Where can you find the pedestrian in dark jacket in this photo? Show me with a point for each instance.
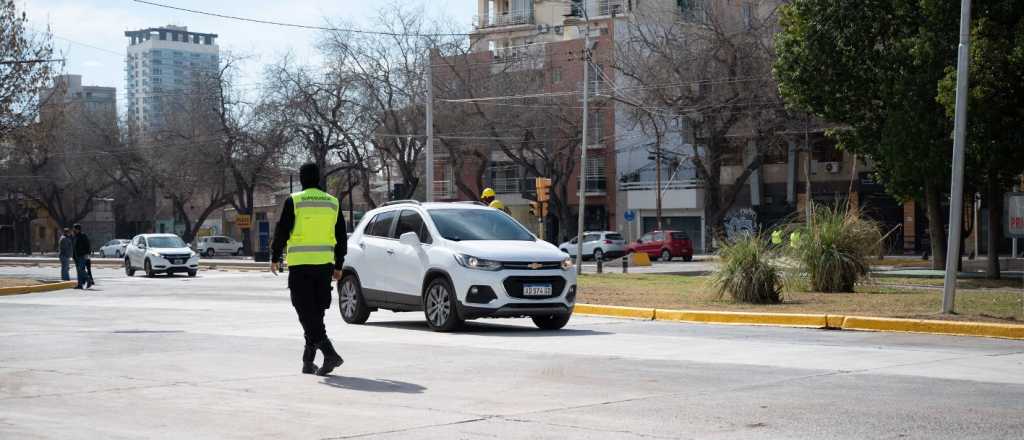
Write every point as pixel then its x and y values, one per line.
pixel 313 232
pixel 66 248
pixel 83 265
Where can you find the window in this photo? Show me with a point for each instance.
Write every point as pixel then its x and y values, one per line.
pixel 157 71
pixel 747 13
pixel 157 62
pixel 826 151
pixel 596 78
pixel 410 221
pixel 646 238
pixel 680 236
pixel 595 127
pixel 595 174
pixel 591 237
pixel 504 177
pixel 613 237
pixel 659 236
pixel 380 226
pixel 478 224
pixel 166 242
pixel 556 75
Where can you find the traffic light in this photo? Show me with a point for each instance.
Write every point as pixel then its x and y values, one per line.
pixel 536 209
pixel 543 185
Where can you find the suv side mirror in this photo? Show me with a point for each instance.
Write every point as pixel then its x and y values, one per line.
pixel 409 238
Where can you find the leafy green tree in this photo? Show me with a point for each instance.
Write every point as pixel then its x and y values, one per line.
pixel 873 67
pixel 995 125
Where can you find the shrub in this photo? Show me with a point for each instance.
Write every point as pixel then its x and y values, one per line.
pixel 748 272
pixel 835 249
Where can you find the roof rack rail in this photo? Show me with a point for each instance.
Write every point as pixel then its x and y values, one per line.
pixel 401 202
pixel 471 202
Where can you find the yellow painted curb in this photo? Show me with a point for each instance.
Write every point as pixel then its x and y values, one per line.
pixel 986 329
pixel 745 318
pixel 49 287
pixel 616 311
pixel 835 321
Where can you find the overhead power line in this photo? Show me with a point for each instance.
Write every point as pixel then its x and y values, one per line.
pixel 56 60
pixel 300 26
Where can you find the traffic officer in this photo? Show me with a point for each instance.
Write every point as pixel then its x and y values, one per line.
pixel 488 197
pixel 314 235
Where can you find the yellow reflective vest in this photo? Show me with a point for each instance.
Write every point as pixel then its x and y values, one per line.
pixel 312 240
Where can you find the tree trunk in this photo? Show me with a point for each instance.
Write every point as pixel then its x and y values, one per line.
pixel 936 225
pixel 995 226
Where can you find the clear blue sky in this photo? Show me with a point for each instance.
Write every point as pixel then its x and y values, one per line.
pixel 101 23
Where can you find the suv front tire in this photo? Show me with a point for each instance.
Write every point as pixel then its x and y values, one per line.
pixel 551 322
pixel 440 306
pixel 350 301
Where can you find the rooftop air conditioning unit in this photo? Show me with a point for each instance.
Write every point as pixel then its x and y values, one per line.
pixel 831 167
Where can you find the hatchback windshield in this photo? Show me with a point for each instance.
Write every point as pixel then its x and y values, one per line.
pixel 166 242
pixel 478 224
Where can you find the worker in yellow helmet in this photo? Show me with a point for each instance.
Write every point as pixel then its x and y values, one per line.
pixel 488 197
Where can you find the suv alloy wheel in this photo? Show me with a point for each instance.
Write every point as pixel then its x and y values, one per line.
pixel 439 306
pixel 350 301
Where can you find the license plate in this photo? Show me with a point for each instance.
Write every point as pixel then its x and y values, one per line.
pixel 537 290
pixel 178 262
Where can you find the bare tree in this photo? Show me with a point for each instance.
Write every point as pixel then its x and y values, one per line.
pixel 25 67
pixel 52 162
pixel 709 64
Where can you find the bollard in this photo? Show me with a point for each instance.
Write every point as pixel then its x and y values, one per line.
pixel 600 265
pixel 625 264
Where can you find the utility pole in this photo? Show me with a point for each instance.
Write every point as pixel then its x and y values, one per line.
pixel 956 192
pixel 583 148
pixel 657 174
pixel 430 128
pixel 807 147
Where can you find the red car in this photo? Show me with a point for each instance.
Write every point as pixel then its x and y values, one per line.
pixel 664 245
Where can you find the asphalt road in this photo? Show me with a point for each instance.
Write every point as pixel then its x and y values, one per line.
pixel 218 357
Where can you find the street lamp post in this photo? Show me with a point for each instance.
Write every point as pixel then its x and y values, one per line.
pixel 583 148
pixel 956 192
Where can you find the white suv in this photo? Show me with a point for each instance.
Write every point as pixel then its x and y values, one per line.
pixel 155 253
pixel 454 261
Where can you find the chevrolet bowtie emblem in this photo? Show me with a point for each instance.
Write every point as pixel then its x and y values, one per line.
pixel 535 266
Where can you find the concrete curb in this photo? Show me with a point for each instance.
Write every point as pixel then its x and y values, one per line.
pixel 616 311
pixel 821 321
pixel 960 328
pixel 48 287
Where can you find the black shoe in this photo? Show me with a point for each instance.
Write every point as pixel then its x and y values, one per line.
pixel 309 368
pixel 308 356
pixel 331 358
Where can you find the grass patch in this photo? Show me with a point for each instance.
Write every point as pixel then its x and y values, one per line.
pixel 17 282
pixel 869 299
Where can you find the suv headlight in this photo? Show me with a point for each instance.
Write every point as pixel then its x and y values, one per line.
pixel 567 264
pixel 477 263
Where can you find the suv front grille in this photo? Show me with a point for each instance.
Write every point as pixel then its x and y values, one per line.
pixel 525 265
pixel 514 286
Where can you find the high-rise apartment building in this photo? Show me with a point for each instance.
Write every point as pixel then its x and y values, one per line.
pixel 164 63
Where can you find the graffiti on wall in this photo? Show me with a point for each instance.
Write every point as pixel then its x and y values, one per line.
pixel 740 222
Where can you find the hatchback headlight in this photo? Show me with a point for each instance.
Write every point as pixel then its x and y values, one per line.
pixel 567 264
pixel 472 262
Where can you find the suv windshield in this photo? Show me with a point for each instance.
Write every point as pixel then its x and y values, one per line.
pixel 166 242
pixel 478 224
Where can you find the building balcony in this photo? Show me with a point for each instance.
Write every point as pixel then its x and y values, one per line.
pixel 678 194
pixel 598 8
pixel 510 18
pixel 444 189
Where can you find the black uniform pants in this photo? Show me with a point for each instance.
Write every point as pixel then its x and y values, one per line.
pixel 310 288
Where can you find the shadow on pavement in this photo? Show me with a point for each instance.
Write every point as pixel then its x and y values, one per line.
pixel 373 385
pixel 480 328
